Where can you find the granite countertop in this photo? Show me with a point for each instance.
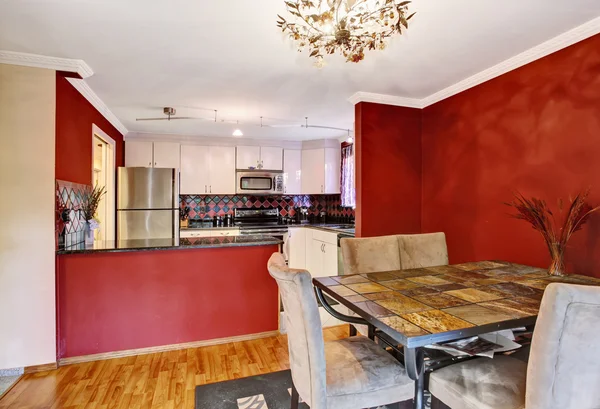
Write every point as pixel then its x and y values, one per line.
pixel 172 244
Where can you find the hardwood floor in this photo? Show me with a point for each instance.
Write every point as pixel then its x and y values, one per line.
pixel 161 380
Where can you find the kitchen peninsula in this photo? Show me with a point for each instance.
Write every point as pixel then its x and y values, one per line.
pixel 152 295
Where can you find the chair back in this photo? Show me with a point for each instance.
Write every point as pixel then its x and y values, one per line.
pixel 564 364
pixel 422 250
pixel 305 335
pixel 371 254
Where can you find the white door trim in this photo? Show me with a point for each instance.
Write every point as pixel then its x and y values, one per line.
pixel 111 201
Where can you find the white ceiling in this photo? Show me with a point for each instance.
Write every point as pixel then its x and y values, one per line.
pixel 230 56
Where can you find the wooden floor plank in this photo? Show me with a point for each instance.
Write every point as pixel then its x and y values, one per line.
pixel 162 380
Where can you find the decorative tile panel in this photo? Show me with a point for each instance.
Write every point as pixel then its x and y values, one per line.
pixel 69 220
pixel 203 207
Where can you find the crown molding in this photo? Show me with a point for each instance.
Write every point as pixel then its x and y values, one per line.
pixel 385 99
pixel 43 61
pixel 85 90
pixel 553 45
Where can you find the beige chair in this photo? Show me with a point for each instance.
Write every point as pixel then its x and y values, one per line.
pixel 564 365
pixel 351 373
pixel 388 253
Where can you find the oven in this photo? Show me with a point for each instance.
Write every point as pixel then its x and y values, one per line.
pixel 262 221
pixel 259 182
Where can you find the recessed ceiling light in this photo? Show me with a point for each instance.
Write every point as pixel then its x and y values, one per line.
pixel 238 132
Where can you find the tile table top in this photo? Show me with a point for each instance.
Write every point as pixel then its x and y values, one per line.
pixel 420 306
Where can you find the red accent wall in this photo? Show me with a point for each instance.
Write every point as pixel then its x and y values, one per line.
pixel 117 301
pixel 388 169
pixel 535 129
pixel 74 119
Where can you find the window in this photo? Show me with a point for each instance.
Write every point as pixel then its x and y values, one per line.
pixel 347 186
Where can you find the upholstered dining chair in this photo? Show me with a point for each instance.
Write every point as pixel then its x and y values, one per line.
pixel 564 365
pixel 422 250
pixel 350 373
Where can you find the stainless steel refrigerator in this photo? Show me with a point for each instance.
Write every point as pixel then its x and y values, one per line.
pixel 147 203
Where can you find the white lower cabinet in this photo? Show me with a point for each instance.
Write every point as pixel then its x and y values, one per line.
pixel 317 252
pixel 193 233
pixel 296 247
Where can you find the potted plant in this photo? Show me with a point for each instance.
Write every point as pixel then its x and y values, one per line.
pixel 89 206
pixel 538 214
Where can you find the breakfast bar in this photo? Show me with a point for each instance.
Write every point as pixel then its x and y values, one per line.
pixel 138 296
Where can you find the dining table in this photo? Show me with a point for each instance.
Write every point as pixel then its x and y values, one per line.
pixel 418 307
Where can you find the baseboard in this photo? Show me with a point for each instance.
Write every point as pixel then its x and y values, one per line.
pixel 40 368
pixel 163 348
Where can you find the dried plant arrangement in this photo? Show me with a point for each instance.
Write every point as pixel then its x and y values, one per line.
pixel 555 231
pixel 91 200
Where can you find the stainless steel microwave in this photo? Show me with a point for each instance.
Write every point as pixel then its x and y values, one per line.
pixel 259 182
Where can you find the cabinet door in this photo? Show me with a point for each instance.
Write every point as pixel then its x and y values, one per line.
pixel 166 155
pixel 313 171
pixel 292 172
pixel 314 258
pixel 330 260
pixel 138 154
pixel 247 157
pixel 333 165
pixel 222 170
pixel 271 158
pixel 195 170
pixel 296 247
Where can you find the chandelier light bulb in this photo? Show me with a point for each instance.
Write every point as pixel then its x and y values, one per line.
pixel 238 132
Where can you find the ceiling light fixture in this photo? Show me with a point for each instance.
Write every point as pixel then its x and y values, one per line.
pixel 238 132
pixel 347 26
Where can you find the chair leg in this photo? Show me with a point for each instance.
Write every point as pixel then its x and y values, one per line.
pixel 295 397
pixel 353 331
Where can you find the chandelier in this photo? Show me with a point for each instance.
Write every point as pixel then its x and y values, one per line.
pixel 348 27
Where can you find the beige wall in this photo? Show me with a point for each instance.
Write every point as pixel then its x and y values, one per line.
pixel 27 261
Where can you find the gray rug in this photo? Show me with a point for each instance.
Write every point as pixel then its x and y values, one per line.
pixel 270 391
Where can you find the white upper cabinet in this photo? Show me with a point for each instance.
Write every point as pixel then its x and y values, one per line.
pixel 258 157
pixel 207 170
pixel 166 155
pixel 247 157
pixel 292 171
pixel 321 171
pixel 271 158
pixel 195 169
pixel 138 154
pixel 333 168
pixel 222 170
pixel 152 154
pixel 313 171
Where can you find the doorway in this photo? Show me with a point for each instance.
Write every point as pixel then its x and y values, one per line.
pixel 103 175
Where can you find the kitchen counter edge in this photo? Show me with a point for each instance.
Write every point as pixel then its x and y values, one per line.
pixel 195 243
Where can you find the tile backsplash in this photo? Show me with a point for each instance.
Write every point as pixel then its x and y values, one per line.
pixel 69 197
pixel 205 207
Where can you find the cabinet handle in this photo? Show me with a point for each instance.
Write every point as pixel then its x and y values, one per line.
pixel 154 163
pixel 322 189
pixel 205 189
pixel 210 189
pixel 149 163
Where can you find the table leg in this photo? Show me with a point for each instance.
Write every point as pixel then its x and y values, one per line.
pixel 415 367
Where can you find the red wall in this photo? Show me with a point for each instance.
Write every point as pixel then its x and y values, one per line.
pixel 388 169
pixel 535 130
pixel 117 301
pixel 74 119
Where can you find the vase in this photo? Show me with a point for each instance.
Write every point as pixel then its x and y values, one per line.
pixel 557 265
pixel 89 235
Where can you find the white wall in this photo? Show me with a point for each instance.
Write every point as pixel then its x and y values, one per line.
pixel 27 260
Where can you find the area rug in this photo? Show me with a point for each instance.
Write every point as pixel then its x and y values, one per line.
pixel 270 391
